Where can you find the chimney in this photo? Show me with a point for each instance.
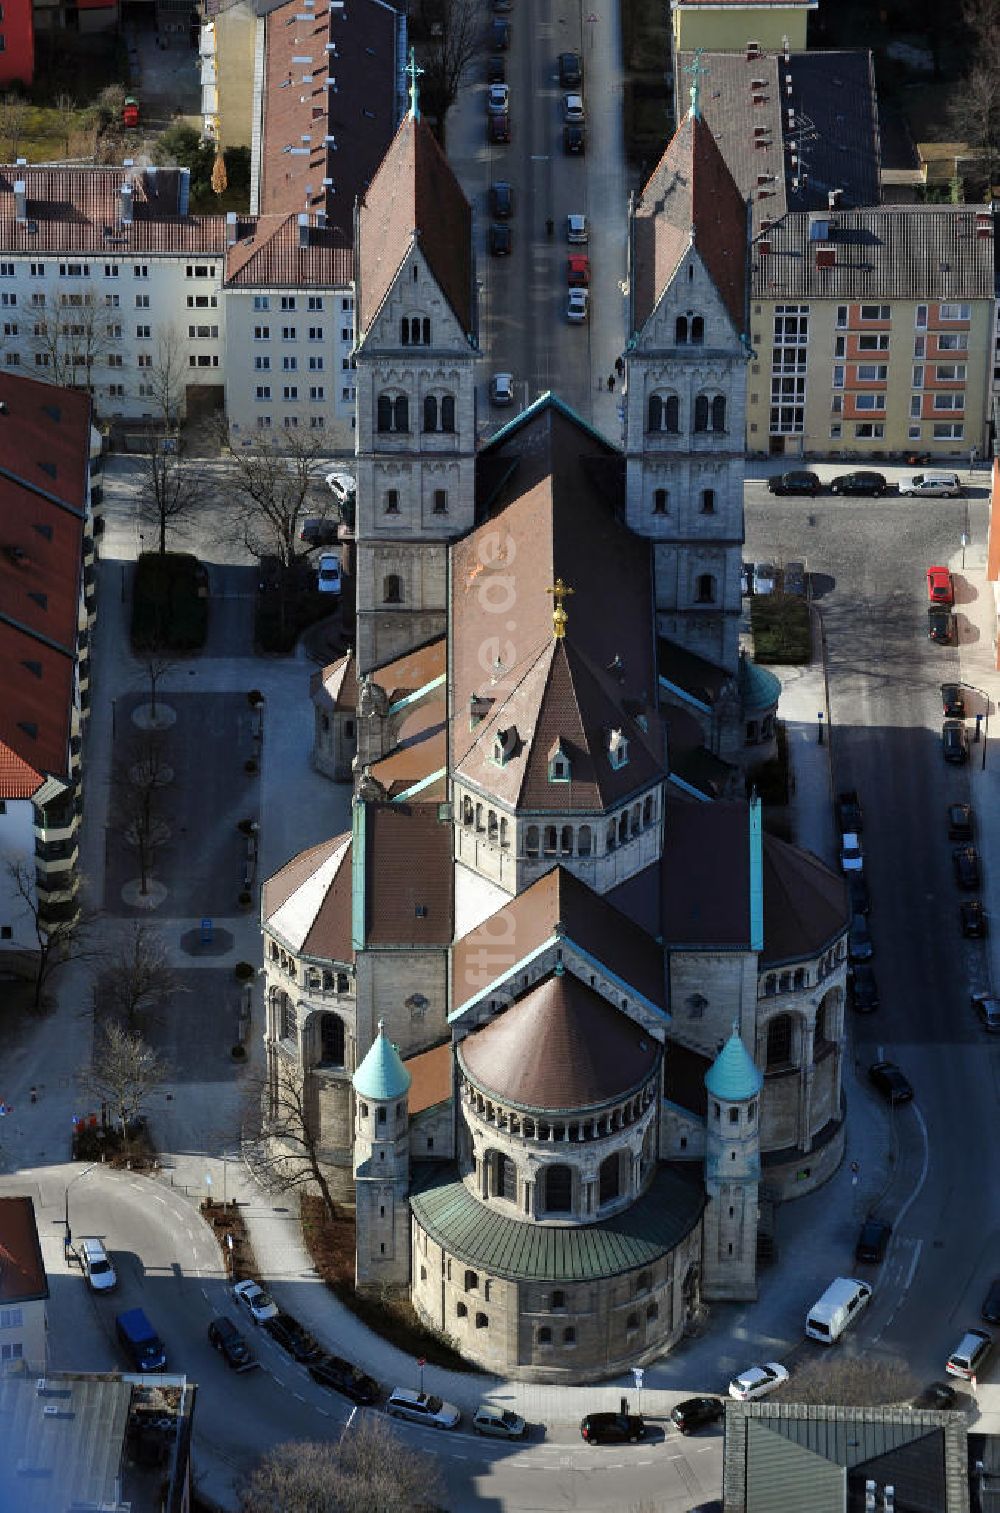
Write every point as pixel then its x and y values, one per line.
pixel 303 229
pixel 20 200
pixel 20 162
pixel 129 163
pixel 763 247
pixel 984 225
pixel 230 228
pixel 826 257
pixel 127 207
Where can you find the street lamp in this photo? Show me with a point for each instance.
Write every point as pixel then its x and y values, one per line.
pixel 986 731
pixel 68 1238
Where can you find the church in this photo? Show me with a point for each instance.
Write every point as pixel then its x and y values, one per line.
pixel 567 1021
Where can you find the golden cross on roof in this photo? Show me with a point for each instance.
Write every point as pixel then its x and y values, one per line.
pixel 698 71
pixel 414 72
pixel 559 592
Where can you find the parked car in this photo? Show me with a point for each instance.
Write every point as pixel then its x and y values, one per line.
pixel 422 1408
pixel 502 389
pixel 501 200
pixel 496 69
pixel 849 813
pixel 328 577
pixel 578 271
pixel 893 1084
pixel 940 588
pixel 226 1338
pixel 965 860
pixel 576 305
pixel 577 230
pixel 758 1381
pixel 938 1396
pixel 498 99
pixel 570 71
pixel 860 946
pixel 941 625
pixel 970 1354
pixel 872 1240
pixel 498 129
pixel 858 895
pixel 873 484
pixel 500 34
pixel 501 239
pixel 954 741
pixel 972 918
pixel 96 1265
pixel 764 578
pixel 331 1371
pixel 573 141
pixel 293 1337
pixel 988 1009
pixel 499 1423
pixel 931 484
pixel 798 482
pixel 990 1310
pixel 863 988
pixel 612 1428
pixel 953 700
pixel 140 1340
pixel 960 822
pixel 258 1303
pixel 851 855
pixel 317 532
pixel 794 580
pixel 573 111
pixel 696 1412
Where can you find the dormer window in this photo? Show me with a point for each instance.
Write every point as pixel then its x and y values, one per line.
pixel 504 745
pixel 479 708
pixel 618 749
pixel 559 769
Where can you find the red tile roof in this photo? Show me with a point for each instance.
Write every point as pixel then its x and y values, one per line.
pixel 421 746
pixel 336 683
pixel 269 254
pixel 415 196
pixel 22 1270
pixel 412 671
pixel 690 198
pixel 431 1078
pixel 805 904
pixel 705 875
pixel 321 916
pixel 408 876
pixel 18 779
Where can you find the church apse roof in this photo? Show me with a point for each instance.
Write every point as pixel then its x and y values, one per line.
pixel 308 902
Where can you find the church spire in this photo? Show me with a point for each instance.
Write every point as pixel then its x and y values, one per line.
pixel 697 70
pixel 414 72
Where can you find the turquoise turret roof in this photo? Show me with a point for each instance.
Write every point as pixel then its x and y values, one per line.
pixel 733 1074
pixel 759 689
pixel 382 1074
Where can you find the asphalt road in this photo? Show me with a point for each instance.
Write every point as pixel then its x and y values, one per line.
pixel 868 559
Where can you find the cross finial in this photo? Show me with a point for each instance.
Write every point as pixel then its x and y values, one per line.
pixel 559 592
pixel 414 72
pixel 698 71
pixel 736 1027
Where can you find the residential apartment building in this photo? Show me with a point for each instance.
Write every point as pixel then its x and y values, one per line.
pixel 739 25
pixel 17 42
pixel 873 332
pixel 47 610
pixel 24 1288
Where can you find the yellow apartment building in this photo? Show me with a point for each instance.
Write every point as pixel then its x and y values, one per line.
pixel 732 25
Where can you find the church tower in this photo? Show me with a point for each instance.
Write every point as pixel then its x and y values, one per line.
pixel 686 363
pixel 382 1166
pixel 416 350
pixel 732 1174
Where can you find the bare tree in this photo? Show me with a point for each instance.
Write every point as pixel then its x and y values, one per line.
pixel 853 1381
pixel 166 377
pixel 286 1151
pixel 71 334
pixel 368 1470
pixel 65 108
pixel 56 942
pixel 272 479
pixel 975 112
pixel 124 1072
pixel 13 113
pixel 156 664
pixel 449 53
pixel 140 780
pixel 170 494
pixel 137 975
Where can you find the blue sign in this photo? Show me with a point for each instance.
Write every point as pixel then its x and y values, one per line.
pixel 206 932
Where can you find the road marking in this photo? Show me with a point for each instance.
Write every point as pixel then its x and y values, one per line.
pixel 913 1266
pixel 540 157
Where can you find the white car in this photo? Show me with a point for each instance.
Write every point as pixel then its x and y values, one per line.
pixel 258 1303
pixel 328 577
pixel 576 305
pixel 498 99
pixel 851 856
pixel 573 112
pixel 758 1381
pixel 576 229
pixel 422 1408
pixel 764 577
pixel 502 389
pixel 933 485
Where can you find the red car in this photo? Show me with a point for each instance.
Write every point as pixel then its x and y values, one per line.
pixel 578 272
pixel 940 589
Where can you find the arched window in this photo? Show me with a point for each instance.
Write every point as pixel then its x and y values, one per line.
pixel 384 412
pixel 331 1040
pixel 492 827
pixel 634 819
pixel 672 414
pixel 719 413
pixel 623 828
pixel 609 1179
pixel 471 1281
pixel 531 841
pixel 652 1313
pixel 632 1322
pixel 551 840
pixel 647 809
pixel 661 499
pixel 329 981
pixel 558 1189
pixel 779 1042
pixel 401 413
pixel 770 985
pixel 583 841
pixel 430 412
pixel 461 1310
pixel 479 818
pixel 558 1300
pixel 612 835
pixel 545 1335
pixel 701 413
pixel 448 412
pixel 425 331
pixel 569 1335
pixel 288 1020
pixel 482 1321
pixel 698 329
pixel 681 331
pixel 705 588
pixel 566 840
pixel 392 589
pixel 826 1021
pixel 708 501
pixel 506 1179
pixel 342 983
pixel 466 810
pixel 504 835
pixel 784 982
pixel 654 413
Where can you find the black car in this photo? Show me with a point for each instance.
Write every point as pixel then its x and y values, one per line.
pixel 965 860
pixel 860 946
pixel 794 579
pixel 570 71
pixel 573 142
pixel 890 1081
pixel 857 893
pixel 498 128
pixel 696 1412
pixel 612 1428
pixel 501 240
pixel 863 988
pixel 500 35
pixel 872 1240
pixel 940 625
pixel 501 200
pixel 291 1336
pixel 332 1371
pixel 794 483
pixel 496 69
pixel 990 1310
pixel 960 822
pixel 972 917
pixel 225 1336
pixel 317 532
pixel 954 741
pixel 988 1009
pixel 953 700
pixel 939 1396
pixel 873 484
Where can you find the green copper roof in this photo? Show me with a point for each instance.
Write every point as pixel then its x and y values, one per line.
pixel 382 1074
pixel 759 689
pixel 733 1074
pixel 481 1236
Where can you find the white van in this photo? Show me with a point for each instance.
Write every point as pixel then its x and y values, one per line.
pixel 843 1301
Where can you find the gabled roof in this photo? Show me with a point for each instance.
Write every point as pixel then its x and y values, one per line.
pixel 415 197
pixel 405 889
pixel 336 684
pixel 414 670
pixel 421 746
pixel 690 200
pixel 22 1270
pixel 269 254
pixel 430 1074
pixel 308 903
pixel 18 779
pixel 805 904
pixel 557 904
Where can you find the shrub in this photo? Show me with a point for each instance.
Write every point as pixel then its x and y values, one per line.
pixel 243 970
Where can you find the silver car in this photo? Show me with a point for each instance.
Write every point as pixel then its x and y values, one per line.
pixel 422 1408
pixel 931 485
pixel 576 229
pixel 501 1423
